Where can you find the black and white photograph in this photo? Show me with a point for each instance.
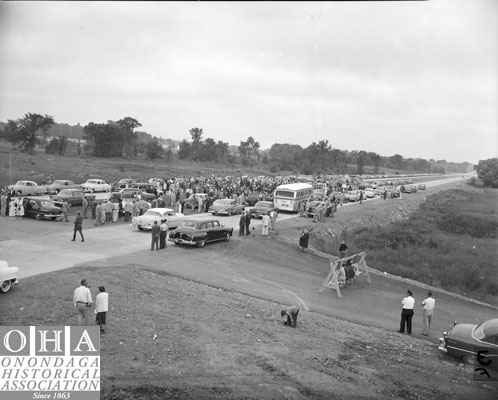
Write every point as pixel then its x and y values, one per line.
pixel 249 200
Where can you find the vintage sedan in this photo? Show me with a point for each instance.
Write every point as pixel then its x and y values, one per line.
pixel 27 188
pixel 60 184
pixel 8 276
pixel 198 232
pixel 145 222
pixel 122 184
pixel 96 185
pixel 473 343
pixel 41 209
pixel 369 193
pixel 74 197
pixel 261 208
pixel 226 207
pixel 132 193
pixel 352 195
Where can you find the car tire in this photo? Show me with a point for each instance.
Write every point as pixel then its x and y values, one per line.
pixel 6 286
pixel 38 216
pixel 57 191
pixel 469 359
pixel 140 228
pixel 229 213
pixel 227 237
pixel 200 244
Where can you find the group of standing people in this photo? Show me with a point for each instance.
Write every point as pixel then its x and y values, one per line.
pixel 159 235
pixel 407 312
pixel 11 205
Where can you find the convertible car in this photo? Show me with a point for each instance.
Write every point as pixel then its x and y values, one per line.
pixel 8 276
pixel 473 343
pixel 198 232
pixel 145 222
pixel 226 206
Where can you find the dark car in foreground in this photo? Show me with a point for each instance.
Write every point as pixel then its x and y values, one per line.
pixel 198 232
pixel 261 208
pixel 473 343
pixel 41 209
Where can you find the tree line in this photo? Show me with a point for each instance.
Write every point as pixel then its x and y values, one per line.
pixel 122 139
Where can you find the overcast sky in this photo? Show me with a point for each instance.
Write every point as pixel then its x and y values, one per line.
pixel 412 78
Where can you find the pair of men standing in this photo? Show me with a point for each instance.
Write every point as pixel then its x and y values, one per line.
pixel 159 235
pixel 408 304
pixel 82 300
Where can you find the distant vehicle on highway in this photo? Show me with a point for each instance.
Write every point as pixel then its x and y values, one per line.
pixel 27 188
pixel 96 185
pixel 198 232
pixel 8 276
pixel 59 184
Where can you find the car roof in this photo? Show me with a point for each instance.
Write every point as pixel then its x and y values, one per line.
pixel 200 220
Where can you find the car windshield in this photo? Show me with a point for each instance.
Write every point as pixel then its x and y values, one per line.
pixel 479 331
pixel 46 203
pixel 485 329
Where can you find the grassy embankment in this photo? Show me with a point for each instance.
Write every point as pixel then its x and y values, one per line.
pixel 450 243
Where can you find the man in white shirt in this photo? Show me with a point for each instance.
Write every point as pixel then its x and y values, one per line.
pixel 101 307
pixel 82 300
pixel 407 313
pixel 429 303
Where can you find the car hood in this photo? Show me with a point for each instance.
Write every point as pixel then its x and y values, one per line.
pixel 462 331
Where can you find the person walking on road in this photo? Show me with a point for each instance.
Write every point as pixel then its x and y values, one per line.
pixel 291 314
pixel 429 303
pixel 78 226
pixel 156 232
pixel 101 308
pixel 407 313
pixel 82 300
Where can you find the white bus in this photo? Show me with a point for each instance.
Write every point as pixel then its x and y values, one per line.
pixel 287 197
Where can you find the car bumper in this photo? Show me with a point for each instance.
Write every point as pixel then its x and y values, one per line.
pixel 183 241
pixel 441 348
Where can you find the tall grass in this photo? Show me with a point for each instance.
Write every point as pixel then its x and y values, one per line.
pixel 450 242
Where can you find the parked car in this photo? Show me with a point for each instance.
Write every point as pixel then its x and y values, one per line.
pixel 198 232
pixel 27 188
pixel 466 341
pixel 394 192
pixel 145 221
pixel 421 186
pixel 143 186
pixel 369 193
pixel 226 206
pixel 132 193
pixel 352 195
pixel 198 196
pixel 74 197
pixel 8 276
pixel 96 185
pixel 263 207
pixel 122 183
pixel 60 184
pixel 41 209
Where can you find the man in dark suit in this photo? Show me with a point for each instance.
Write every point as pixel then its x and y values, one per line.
pixel 156 232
